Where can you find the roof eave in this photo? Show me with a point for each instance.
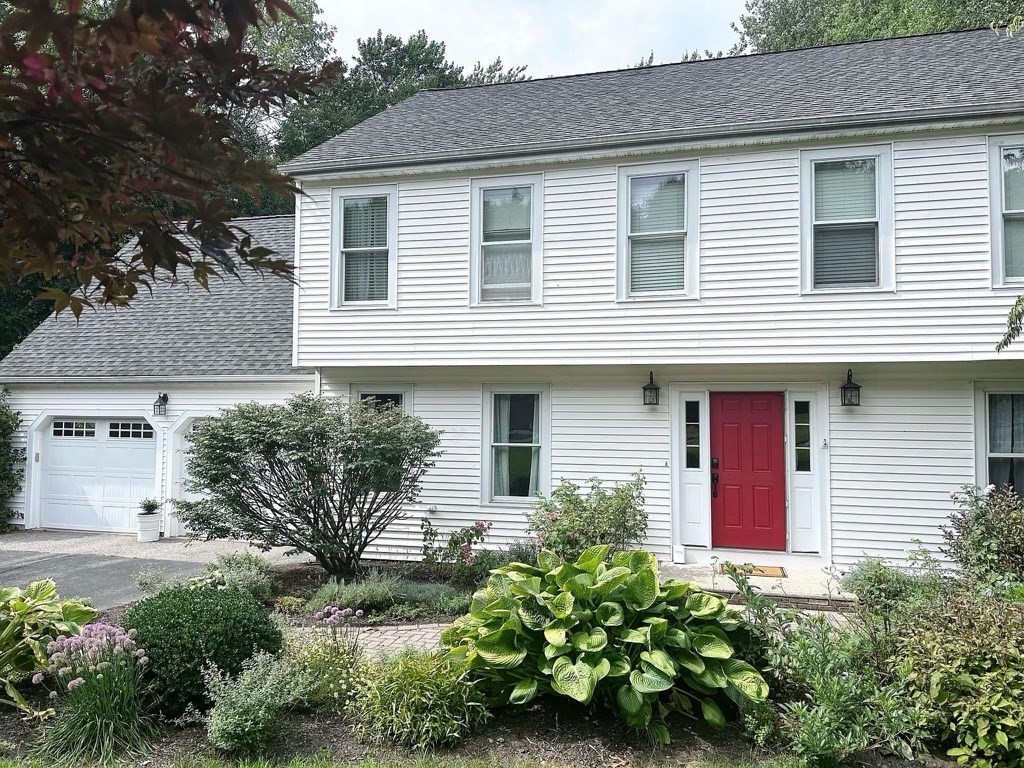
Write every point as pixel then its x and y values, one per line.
pixel 619 141
pixel 301 375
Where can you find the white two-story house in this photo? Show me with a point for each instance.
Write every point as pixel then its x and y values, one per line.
pixel 518 264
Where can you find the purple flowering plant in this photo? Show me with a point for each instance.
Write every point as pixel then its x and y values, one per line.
pixel 339 624
pixel 97 684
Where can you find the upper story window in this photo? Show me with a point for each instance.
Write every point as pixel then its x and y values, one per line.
pixel 365 254
pixel 847 217
pixel 657 230
pixel 1007 180
pixel 506 240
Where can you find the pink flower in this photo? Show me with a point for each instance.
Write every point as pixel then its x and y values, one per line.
pixel 37 678
pixel 75 683
pixel 989 489
pixel 952 495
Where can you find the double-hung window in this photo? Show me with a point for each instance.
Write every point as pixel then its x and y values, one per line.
pixel 1005 444
pixel 657 230
pixel 506 240
pixel 1007 181
pixel 847 200
pixel 365 250
pixel 516 445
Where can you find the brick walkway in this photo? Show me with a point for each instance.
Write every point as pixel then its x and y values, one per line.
pixel 383 640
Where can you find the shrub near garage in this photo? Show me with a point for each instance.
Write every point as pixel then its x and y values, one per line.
pixel 183 630
pixel 613 633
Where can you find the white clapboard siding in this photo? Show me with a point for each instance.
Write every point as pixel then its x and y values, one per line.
pixel 892 461
pixel 750 308
pixel 131 400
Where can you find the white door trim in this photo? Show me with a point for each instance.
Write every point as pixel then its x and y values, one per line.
pixel 695 484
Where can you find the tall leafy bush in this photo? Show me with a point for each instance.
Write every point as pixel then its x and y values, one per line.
pixel 607 632
pixel 314 474
pixel 11 458
pixel 985 535
pixel 569 521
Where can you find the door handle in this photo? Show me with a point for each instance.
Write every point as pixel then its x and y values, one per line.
pixel 714 485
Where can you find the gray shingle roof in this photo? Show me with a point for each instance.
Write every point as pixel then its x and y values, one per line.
pixel 238 328
pixel 974 72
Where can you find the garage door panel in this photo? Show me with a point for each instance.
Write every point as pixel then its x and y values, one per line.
pixel 96 481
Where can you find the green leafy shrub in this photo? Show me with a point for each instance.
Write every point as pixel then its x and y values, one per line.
pixel 613 633
pixel 314 474
pixel 831 699
pixel 387 597
pixel 246 571
pixel 882 588
pixel 291 605
pixel 985 535
pixel 101 716
pixel 962 662
pixel 183 630
pixel 569 522
pixel 377 591
pixel 12 458
pixel 418 700
pixel 247 708
pixel 31 619
pixel 460 558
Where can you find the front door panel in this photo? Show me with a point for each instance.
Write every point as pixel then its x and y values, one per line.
pixel 748 470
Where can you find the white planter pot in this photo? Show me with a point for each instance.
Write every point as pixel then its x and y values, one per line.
pixel 149 526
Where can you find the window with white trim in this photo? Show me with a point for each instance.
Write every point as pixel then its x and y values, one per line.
pixel 847 199
pixel 506 240
pixel 134 430
pixel 1005 443
pixel 384 395
pixel 516 445
pixel 802 435
pixel 1007 179
pixel 74 429
pixel 657 230
pixel 365 234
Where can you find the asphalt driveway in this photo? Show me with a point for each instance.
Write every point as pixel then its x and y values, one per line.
pixel 105 581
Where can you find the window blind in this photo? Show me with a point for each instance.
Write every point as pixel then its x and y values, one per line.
pixel 1013 179
pixel 365 222
pixel 657 204
pixel 657 264
pixel 366 276
pixel 845 253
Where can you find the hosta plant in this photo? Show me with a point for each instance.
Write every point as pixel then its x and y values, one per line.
pixel 30 619
pixel 606 632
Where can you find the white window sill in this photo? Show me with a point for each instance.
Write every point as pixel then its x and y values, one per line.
pixel 502 304
pixel 356 306
pixel 1016 285
pixel 657 297
pixel 511 501
pixel 847 289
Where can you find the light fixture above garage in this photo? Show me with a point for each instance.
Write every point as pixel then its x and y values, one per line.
pixel 160 405
pixel 652 392
pixel 849 392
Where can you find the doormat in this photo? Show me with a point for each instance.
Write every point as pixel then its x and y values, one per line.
pixel 768 571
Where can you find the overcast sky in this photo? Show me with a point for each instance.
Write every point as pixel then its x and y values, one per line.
pixel 553 37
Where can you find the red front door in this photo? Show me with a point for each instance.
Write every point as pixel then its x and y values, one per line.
pixel 748 470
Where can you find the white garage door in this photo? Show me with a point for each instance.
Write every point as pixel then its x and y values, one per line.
pixel 95 472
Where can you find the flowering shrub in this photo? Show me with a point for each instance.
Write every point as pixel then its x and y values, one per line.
pixel 569 523
pixel 97 677
pixel 461 558
pixel 185 630
pixel 329 664
pixel 985 535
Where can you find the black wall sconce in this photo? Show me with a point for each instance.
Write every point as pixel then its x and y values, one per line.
pixel 652 392
pixel 849 392
pixel 160 405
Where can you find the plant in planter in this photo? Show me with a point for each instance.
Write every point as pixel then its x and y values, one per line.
pixel 148 520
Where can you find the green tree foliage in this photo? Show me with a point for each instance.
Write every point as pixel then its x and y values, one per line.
pixel 386 70
pixel 780 25
pixel 11 457
pixel 117 124
pixel 313 474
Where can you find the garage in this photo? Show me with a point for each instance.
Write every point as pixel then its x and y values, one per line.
pixel 95 473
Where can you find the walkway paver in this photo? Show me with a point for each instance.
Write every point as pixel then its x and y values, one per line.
pixel 386 640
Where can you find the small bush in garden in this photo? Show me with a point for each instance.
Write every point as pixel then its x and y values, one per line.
pixel 30 619
pixel 460 558
pixel 378 591
pixel 570 522
pixel 612 633
pixel 246 571
pixel 101 713
pixel 418 700
pixel 291 604
pixel 882 588
pixel 246 709
pixel 985 535
pixel 314 474
pixel 962 661
pixel 329 663
pixel 183 630
pixel 830 698
pixel 521 551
